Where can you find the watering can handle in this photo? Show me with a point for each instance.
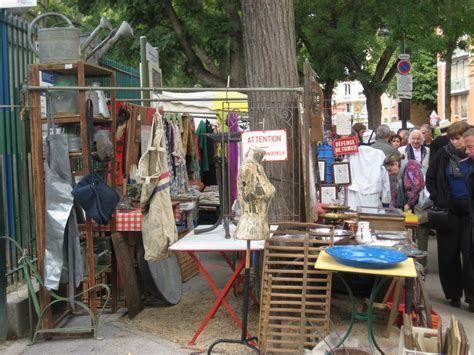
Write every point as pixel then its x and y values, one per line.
pixel 30 27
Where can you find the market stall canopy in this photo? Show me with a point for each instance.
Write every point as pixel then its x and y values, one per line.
pixel 203 102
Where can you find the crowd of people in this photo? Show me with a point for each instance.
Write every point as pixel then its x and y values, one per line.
pixel 433 167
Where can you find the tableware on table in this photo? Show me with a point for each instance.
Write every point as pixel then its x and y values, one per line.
pixel 366 257
pixel 363 234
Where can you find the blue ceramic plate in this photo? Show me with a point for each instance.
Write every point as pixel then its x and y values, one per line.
pixel 366 257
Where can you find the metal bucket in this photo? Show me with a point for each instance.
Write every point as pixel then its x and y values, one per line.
pixel 56 44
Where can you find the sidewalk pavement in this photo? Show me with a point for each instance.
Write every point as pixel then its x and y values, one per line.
pixel 114 337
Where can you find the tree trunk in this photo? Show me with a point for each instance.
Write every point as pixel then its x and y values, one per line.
pixel 327 105
pixel 374 106
pixel 448 58
pixel 270 61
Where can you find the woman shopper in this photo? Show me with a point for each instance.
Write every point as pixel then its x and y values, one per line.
pixel 446 183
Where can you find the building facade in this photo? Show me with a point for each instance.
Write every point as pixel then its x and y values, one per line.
pixel 462 80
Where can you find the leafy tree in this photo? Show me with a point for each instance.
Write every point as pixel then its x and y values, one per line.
pixel 425 79
pixel 451 23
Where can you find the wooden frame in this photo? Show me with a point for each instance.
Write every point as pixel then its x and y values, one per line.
pixel 342 173
pixel 328 194
pixel 322 170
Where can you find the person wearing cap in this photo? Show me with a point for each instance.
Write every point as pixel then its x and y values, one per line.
pixel 441 140
pixel 446 182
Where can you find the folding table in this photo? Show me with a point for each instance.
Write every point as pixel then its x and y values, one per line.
pixel 212 242
pixel 403 269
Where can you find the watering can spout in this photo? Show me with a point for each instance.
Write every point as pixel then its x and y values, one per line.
pixel 125 30
pixel 104 24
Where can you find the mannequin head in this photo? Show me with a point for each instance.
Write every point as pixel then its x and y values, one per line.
pixel 255 153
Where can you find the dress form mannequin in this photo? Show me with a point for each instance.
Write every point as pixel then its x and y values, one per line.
pixel 255 192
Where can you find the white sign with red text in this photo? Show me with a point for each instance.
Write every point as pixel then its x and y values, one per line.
pixel 273 142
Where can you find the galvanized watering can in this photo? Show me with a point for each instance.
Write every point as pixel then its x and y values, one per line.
pixel 63 44
pixel 56 44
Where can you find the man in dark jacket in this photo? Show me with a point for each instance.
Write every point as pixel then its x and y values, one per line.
pixel 446 183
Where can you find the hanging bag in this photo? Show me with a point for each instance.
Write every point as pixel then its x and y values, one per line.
pixel 438 218
pixel 92 193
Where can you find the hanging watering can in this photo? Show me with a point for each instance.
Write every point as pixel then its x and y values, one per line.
pixel 56 44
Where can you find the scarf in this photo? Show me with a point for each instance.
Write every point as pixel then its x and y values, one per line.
pixel 411 153
pixel 455 156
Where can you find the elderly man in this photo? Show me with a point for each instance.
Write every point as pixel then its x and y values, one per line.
pixel 427 133
pixel 382 134
pixel 415 150
pixel 403 133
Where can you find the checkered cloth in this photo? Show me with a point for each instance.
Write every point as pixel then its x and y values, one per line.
pixel 129 221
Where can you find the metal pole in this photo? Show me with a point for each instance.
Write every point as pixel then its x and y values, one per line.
pixel 404 107
pixel 126 88
pixel 145 82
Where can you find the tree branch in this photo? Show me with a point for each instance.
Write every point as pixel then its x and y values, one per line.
pixel 195 65
pixel 391 73
pixel 382 63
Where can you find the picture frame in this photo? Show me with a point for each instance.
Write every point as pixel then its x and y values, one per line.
pixel 328 194
pixel 322 170
pixel 341 173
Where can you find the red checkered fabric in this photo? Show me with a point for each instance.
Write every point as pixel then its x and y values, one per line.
pixel 129 221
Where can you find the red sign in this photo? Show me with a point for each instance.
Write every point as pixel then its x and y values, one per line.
pixel 346 145
pixel 404 66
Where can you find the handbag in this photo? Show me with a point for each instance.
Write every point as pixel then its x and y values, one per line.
pixel 98 200
pixel 438 218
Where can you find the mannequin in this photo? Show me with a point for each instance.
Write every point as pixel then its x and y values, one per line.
pixel 255 193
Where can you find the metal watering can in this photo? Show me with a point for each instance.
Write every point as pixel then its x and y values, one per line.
pixel 63 44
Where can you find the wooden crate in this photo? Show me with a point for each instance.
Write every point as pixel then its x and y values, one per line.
pixel 295 302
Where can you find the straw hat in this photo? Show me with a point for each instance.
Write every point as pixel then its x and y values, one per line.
pixel 444 124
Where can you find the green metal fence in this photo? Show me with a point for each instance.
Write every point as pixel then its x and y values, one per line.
pixel 124 76
pixel 16 204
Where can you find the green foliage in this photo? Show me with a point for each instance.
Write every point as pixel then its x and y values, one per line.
pixel 425 79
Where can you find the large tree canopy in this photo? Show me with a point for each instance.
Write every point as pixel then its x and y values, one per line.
pixel 200 41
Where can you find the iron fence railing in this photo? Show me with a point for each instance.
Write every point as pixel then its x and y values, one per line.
pixel 15 153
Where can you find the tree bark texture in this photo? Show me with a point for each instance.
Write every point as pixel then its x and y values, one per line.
pixel 374 106
pixel 270 61
pixel 327 105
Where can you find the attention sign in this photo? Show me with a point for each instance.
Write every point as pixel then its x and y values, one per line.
pixel 346 145
pixel 273 142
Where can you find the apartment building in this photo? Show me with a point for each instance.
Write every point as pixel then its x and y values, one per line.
pixel 462 80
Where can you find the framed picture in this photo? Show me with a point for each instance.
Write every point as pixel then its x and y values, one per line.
pixel 341 173
pixel 328 194
pixel 322 170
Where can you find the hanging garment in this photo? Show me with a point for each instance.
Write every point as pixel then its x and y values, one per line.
pixel 158 226
pixel 58 203
pixel 370 183
pixel 180 181
pixel 232 120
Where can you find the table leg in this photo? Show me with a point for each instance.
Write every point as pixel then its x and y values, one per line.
pixel 373 294
pixel 220 296
pixel 366 316
pixel 229 262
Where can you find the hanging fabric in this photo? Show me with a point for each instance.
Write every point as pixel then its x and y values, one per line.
pixel 180 181
pixel 158 226
pixel 59 203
